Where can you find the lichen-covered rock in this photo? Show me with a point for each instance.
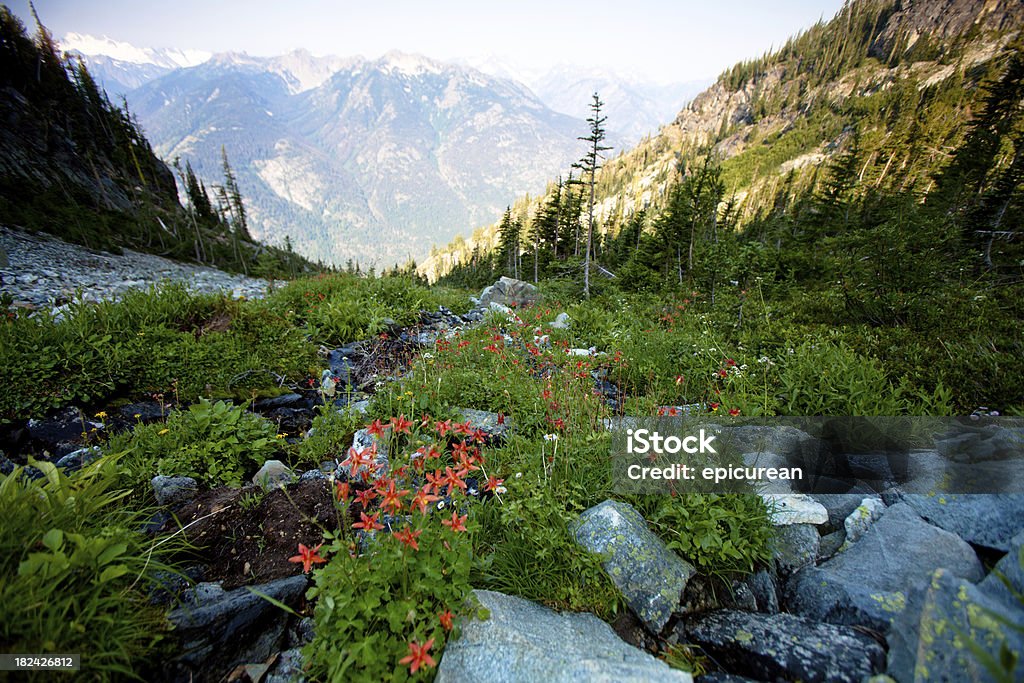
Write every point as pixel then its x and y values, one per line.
pixel 862 517
pixel 493 425
pixel 929 639
pixel 174 491
pixel 272 475
pixel 523 642
pixel 1009 570
pixel 221 629
pixel 651 577
pixel 867 584
pixel 509 292
pixel 794 509
pixel 796 546
pixel 988 519
pixel 782 646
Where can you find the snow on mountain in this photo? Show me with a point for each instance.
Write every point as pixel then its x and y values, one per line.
pixel 126 52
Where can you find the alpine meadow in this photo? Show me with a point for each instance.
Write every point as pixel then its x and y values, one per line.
pixel 395 368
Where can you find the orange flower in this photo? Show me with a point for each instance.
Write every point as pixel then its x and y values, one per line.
pixel 418 656
pixel 456 523
pixel 446 619
pixel 308 557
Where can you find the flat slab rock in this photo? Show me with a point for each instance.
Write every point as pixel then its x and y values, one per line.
pixel 990 520
pixel 783 646
pixel 867 583
pixel 523 642
pixel 649 575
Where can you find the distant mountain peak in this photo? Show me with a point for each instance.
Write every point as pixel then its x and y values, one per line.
pixel 409 64
pixel 126 52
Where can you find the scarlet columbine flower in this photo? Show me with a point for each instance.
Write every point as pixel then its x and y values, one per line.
pixel 418 656
pixel 493 483
pixel 307 556
pixel 456 523
pixel 376 428
pixel 392 498
pixel 341 491
pixel 730 362
pixel 723 373
pixel 401 424
pixel 501 418
pixel 422 499
pixel 680 379
pixel 435 480
pixel 463 428
pixel 408 537
pixel 365 496
pixel 368 522
pixel 479 435
pixel 445 618
pixel 453 479
pixel 443 427
pixel 715 406
pixel 673 412
pixel 358 457
pixel 559 424
pixel 734 411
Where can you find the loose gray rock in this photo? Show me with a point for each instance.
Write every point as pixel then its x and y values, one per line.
pixel 220 630
pixel 272 475
pixel 560 322
pixel 1010 568
pixel 76 460
pixel 495 426
pixel 840 505
pixel 796 546
pixel 174 491
pixel 765 591
pixel 927 641
pixel 831 543
pixel 651 577
pixel 782 646
pixel 794 509
pixel 861 519
pixel 523 642
pixel 868 583
pixel 288 668
pixel 509 292
pixel 363 440
pixel 990 519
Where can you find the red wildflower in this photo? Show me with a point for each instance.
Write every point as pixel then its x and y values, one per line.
pixel 714 406
pixel 368 522
pixel 393 498
pixel 453 479
pixel 401 424
pixel 418 656
pixel 376 428
pixel 364 497
pixel 723 373
pixel 730 362
pixel 422 499
pixel 456 523
pixel 493 483
pixel 445 618
pixel 408 537
pixel 341 491
pixel 307 556
pixel 443 427
pixel 734 411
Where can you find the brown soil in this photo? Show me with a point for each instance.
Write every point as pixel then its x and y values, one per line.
pixel 242 542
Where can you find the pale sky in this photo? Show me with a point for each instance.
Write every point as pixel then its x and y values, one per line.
pixel 660 40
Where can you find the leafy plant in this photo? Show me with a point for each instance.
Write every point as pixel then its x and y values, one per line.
pixel 215 443
pixel 75 570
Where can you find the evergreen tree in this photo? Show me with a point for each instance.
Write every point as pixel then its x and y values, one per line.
pixel 589 166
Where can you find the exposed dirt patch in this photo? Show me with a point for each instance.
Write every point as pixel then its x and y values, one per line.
pixel 242 541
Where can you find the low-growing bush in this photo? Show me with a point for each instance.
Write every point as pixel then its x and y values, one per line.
pixel 216 443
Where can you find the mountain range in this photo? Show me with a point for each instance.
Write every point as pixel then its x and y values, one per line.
pixel 893 83
pixel 368 160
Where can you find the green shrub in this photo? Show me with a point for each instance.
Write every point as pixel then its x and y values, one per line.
pixel 215 443
pixel 74 571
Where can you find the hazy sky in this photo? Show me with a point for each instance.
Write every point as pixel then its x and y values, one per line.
pixel 661 39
